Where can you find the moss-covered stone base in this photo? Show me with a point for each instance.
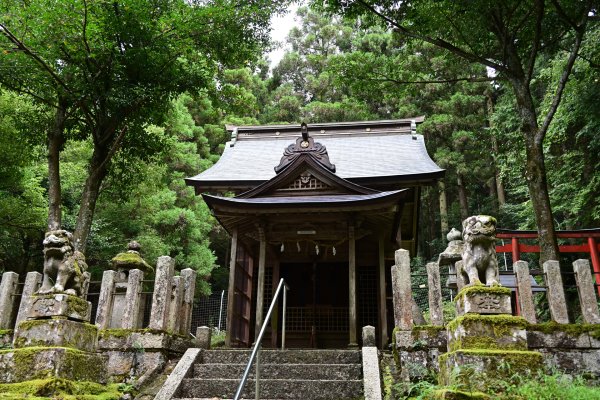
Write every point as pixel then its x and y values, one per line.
pixel 474 368
pixel 41 389
pixel 60 305
pixel 29 363
pixel 474 331
pixel 56 333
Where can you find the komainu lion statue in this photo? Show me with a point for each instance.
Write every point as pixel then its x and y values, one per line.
pixel 63 265
pixel 479 252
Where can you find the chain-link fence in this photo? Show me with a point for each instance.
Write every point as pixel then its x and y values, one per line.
pixel 210 311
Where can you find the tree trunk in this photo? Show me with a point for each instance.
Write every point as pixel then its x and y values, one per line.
pixel 98 169
pixel 55 143
pixel 443 208
pixel 462 197
pixel 535 173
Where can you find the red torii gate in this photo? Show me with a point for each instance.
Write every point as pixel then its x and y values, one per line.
pixel 591 245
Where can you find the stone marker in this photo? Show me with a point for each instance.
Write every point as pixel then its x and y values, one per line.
pixel 524 291
pixel 189 287
pixel 161 299
pixel 556 293
pixel 175 306
pixel 368 336
pixel 435 294
pixel 8 299
pixel 132 299
pixel 203 334
pixel 483 300
pixel 402 293
pixel 33 280
pixel 587 292
pixel 105 301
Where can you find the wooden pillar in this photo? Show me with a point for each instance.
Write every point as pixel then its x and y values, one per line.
pixel 352 286
pixel 260 291
pixel 595 261
pixel 516 255
pixel 382 299
pixel 231 288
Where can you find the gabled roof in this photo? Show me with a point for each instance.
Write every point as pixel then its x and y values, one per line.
pixel 362 152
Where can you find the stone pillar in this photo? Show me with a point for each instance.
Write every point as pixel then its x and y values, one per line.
pixel 133 298
pixel 260 290
pixel 587 294
pixel 188 277
pixel 435 294
pixel 33 280
pixel 556 293
pixel 402 293
pixel 352 287
pixel 105 300
pixel 203 335
pixel 8 299
pixel 231 287
pixel 161 299
pixel 382 295
pixel 175 305
pixel 524 290
pixel 371 374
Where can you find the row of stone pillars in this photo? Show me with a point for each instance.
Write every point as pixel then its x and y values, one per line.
pixel 121 296
pixel 401 283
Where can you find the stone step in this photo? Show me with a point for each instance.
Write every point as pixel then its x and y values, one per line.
pixel 278 371
pixel 274 389
pixel 283 357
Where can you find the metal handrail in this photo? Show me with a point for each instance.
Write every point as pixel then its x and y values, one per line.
pixel 257 344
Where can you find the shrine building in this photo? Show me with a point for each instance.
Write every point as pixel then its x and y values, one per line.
pixel 323 206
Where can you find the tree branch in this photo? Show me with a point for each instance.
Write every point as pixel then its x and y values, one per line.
pixel 438 42
pixel 539 16
pixel 562 83
pixel 21 46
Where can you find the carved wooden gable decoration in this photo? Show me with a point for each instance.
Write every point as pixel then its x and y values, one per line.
pixel 305 170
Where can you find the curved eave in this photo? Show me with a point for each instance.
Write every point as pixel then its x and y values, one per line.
pixel 243 185
pixel 297 204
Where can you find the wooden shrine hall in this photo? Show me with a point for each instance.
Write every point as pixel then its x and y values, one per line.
pixel 323 206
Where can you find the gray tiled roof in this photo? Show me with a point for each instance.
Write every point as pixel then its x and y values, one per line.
pixel 373 154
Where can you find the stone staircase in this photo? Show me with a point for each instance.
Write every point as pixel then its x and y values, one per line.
pixel 287 374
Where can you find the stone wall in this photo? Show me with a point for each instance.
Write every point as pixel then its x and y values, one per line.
pixel 566 347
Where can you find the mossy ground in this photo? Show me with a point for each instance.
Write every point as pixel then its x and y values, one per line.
pixel 60 389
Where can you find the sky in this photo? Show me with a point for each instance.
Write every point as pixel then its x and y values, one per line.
pixel 282 24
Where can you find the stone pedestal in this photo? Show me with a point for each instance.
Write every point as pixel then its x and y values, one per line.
pixel 485 342
pixel 59 306
pixel 56 341
pixel 479 299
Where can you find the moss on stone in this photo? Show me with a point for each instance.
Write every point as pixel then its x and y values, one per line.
pixel 131 260
pixel 74 363
pixel 432 330
pixel 6 332
pixel 75 335
pixel 480 288
pixel 571 329
pixel 64 389
pixel 77 304
pixel 501 323
pixel 122 333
